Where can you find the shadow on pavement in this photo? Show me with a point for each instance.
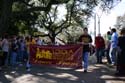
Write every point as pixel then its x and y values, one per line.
pixel 45 74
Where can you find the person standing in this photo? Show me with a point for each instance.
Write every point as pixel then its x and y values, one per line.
pixel 113 46
pixel 38 41
pixel 5 49
pixel 86 41
pixel 1 54
pixel 14 49
pixel 100 46
pixel 121 54
pixel 108 42
pixel 28 43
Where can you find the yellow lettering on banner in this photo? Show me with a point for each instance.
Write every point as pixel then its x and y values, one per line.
pixel 43 62
pixel 35 61
pixel 67 63
pixel 48 55
pixel 38 53
pixel 60 54
pixel 70 52
pixel 43 54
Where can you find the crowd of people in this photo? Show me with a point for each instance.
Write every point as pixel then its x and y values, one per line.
pixel 15 50
pixel 112 48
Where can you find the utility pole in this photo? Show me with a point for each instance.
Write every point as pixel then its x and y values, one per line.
pixel 98 25
pixel 95 25
pixel 99 17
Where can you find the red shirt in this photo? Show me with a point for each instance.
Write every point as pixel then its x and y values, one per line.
pixel 99 42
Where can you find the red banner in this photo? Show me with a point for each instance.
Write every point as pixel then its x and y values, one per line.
pixel 63 56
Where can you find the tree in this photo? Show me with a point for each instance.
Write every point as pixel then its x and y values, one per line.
pixel 28 11
pixel 5 15
pixel 51 23
pixel 30 7
pixel 55 25
pixel 76 11
pixel 120 22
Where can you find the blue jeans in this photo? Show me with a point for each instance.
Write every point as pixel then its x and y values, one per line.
pixel 99 54
pixel 85 60
pixel 113 54
pixel 13 58
pixel 21 56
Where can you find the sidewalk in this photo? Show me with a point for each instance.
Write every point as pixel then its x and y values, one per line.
pixel 43 74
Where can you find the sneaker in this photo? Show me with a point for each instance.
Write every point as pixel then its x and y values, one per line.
pixel 101 63
pixel 85 71
pixel 20 64
pixel 112 64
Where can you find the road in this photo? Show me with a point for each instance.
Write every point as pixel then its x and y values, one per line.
pixel 97 73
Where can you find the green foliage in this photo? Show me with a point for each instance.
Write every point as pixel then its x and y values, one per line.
pixel 12 30
pixel 18 7
pixel 120 22
pixel 72 34
pixel 25 14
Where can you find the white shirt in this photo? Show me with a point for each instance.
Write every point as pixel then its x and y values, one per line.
pixel 5 45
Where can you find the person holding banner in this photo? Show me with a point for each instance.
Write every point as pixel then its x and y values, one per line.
pixel 86 41
pixel 29 41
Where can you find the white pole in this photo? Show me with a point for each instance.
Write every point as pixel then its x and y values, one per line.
pixel 95 25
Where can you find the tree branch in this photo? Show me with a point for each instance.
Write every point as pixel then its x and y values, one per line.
pixel 62 29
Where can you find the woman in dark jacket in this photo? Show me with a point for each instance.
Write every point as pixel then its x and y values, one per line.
pixel 121 54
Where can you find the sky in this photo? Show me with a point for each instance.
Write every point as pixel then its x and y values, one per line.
pixel 108 20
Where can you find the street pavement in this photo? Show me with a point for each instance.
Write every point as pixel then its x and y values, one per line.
pixel 97 73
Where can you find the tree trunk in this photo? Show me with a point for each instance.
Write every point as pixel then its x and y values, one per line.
pixel 5 17
pixel 52 38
